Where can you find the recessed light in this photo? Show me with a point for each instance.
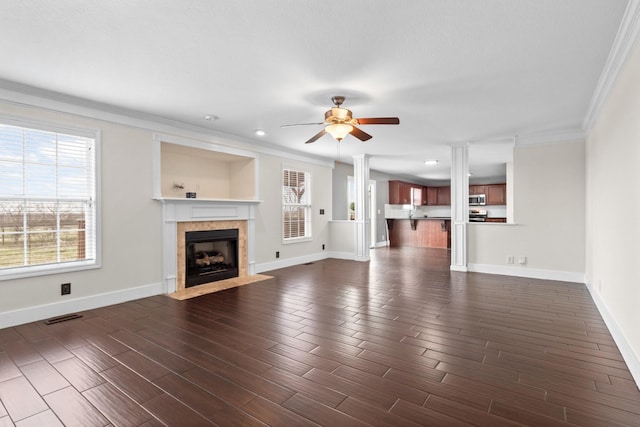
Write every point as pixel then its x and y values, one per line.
pixel 211 117
pixel 431 162
pixel 260 132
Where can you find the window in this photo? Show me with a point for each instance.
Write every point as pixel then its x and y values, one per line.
pixel 47 199
pixel 296 205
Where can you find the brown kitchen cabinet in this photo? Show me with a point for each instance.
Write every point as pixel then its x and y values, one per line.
pixel 422 233
pixel 444 196
pixel 405 193
pixel 496 220
pixel 496 194
pixel 399 193
pixel 477 189
pixel 432 196
pixel 437 196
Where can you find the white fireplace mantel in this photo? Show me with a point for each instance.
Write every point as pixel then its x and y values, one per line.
pixel 175 210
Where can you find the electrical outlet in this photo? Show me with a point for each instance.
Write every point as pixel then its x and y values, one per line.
pixel 277 254
pixel 323 246
pixel 65 288
pixel 510 259
pixel 321 211
pixel 522 260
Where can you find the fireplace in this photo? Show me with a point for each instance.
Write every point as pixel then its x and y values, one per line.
pixel 209 237
pixel 210 255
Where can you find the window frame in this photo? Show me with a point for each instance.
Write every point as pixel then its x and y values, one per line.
pixel 58 267
pixel 307 205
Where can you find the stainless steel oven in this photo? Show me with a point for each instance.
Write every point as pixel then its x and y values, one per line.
pixel 477 215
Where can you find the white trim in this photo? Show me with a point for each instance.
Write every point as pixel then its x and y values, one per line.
pixel 564 276
pixel 290 262
pixel 350 256
pixel 625 40
pixel 32 314
pixel 550 137
pixel 626 349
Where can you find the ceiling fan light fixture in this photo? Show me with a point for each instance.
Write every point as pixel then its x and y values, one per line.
pixel 339 130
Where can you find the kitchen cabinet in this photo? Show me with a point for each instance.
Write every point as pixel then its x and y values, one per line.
pixel 432 196
pixel 405 193
pixel 496 220
pixel 421 233
pixel 399 193
pixel 444 196
pixel 437 196
pixel 477 189
pixel 496 194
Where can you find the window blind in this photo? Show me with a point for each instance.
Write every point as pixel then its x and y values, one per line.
pixel 47 197
pixel 296 204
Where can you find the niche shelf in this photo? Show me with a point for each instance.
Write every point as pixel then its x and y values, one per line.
pixel 211 171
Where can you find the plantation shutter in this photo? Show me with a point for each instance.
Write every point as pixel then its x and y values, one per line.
pixel 296 204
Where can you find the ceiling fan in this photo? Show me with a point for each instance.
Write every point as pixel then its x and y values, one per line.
pixel 340 122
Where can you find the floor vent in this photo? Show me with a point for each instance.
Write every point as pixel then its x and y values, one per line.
pixel 62 318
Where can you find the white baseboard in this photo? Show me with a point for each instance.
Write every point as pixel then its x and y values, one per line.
pixel 40 312
pixel 342 255
pixel 630 357
pixel 564 276
pixel 290 262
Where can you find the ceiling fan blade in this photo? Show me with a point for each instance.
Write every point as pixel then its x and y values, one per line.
pixel 361 135
pixel 317 136
pixel 379 121
pixel 301 124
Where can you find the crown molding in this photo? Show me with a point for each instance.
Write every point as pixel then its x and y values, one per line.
pixel 33 97
pixel 625 40
pixel 551 137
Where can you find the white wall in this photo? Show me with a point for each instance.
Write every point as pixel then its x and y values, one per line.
pixel 269 214
pixel 549 210
pixel 130 224
pixel 613 229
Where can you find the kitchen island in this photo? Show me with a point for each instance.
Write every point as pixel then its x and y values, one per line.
pixel 422 232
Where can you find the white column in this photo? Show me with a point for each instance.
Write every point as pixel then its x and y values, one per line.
pixel 361 184
pixel 459 206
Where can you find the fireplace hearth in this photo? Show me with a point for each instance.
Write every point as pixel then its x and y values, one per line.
pixel 210 255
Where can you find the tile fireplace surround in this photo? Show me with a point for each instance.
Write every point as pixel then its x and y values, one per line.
pixel 181 215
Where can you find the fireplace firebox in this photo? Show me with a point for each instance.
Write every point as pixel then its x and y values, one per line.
pixel 211 255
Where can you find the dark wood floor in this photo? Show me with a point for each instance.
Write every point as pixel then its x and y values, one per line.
pixel 397 341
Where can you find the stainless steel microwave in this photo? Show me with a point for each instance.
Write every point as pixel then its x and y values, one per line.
pixel 477 200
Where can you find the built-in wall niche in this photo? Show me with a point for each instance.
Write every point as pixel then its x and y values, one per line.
pixel 208 173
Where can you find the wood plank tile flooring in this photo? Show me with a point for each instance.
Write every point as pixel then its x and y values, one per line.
pixel 397 341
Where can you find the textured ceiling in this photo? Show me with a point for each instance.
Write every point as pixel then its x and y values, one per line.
pixel 453 70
